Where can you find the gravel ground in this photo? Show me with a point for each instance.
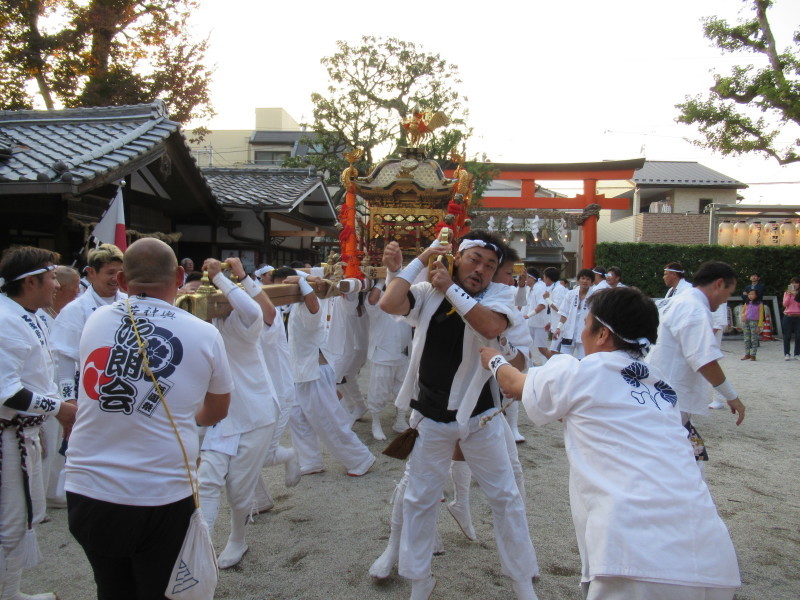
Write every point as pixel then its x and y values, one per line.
pixel 321 537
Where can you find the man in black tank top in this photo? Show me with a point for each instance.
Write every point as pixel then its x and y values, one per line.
pixel 454 316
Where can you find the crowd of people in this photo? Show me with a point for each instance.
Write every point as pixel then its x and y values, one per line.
pixel 99 382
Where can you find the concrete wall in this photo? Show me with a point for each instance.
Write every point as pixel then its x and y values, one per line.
pixel 223 148
pixel 610 229
pixel 275 119
pixel 688 199
pixel 670 228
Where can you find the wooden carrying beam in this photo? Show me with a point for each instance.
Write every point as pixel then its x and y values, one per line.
pixel 208 304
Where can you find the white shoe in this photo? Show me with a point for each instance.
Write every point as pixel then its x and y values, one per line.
pixel 461 514
pixel 400 422
pixel 716 404
pixel 524 590
pixel 787 357
pixel 421 589
pixel 797 357
pixel 232 555
pixel 291 475
pixel 518 437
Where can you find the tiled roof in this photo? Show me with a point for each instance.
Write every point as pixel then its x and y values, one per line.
pixel 278 137
pixel 77 145
pixel 277 189
pixel 682 174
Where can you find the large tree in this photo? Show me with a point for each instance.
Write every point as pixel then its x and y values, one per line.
pixel 100 53
pixel 750 109
pixel 373 85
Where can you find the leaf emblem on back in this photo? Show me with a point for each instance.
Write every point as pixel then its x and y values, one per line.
pixel 667 393
pixel 634 373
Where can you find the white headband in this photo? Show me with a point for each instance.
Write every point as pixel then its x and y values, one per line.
pixel 467 244
pixel 28 274
pixel 264 270
pixel 597 272
pixel 674 270
pixel 642 342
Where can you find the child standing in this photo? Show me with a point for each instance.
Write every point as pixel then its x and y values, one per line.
pixel 752 322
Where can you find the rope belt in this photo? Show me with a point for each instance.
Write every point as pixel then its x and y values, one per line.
pixel 20 423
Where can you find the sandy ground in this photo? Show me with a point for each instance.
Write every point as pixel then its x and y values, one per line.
pixel 321 537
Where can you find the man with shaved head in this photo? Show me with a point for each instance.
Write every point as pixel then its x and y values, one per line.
pixel 128 490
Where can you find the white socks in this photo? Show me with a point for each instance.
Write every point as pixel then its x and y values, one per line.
pixel 377 431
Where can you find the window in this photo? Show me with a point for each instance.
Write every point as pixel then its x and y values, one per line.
pixel 703 203
pixel 270 158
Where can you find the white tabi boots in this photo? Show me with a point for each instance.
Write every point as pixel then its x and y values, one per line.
pixel 11 588
pixel 377 430
pixel 512 416
pixel 459 507
pixel 400 422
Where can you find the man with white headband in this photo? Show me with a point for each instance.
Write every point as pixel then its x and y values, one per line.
pixel 28 395
pixel 687 352
pixel 675 278
pixel 317 415
pixel 449 392
pixel 104 263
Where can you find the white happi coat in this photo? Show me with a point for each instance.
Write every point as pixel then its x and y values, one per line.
pixel 686 342
pixel 537 320
pixel 67 328
pixel 558 295
pixel 306 341
pixel 470 376
pixel 575 311
pixel 389 339
pixel 639 505
pixel 253 400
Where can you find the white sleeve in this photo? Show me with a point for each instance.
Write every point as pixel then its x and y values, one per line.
pixel 697 341
pixel 546 395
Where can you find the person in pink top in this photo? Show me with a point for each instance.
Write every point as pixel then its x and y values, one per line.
pixel 791 318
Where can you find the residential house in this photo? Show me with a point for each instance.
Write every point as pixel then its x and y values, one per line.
pixel 668 203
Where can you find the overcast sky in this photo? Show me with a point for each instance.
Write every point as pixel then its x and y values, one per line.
pixel 565 81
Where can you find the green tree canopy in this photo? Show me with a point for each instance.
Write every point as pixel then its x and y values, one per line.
pixel 748 110
pixel 372 86
pixel 102 52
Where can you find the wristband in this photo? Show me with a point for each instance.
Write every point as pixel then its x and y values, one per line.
pixel 391 275
pixel 497 362
pixel 412 271
pixel 305 288
pixel 224 285
pixel 302 274
pixel 507 349
pixel 251 287
pixel 43 405
pixel 67 389
pixel 461 300
pixel 725 389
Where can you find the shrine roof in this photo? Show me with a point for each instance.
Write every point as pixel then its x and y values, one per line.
pixel 657 173
pixel 267 189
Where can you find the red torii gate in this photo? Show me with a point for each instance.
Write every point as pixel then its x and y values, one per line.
pixel 590 173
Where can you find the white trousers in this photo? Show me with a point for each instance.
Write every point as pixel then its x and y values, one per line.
pixel 486 453
pixel 13 511
pixel 623 588
pixel 318 415
pixel 385 382
pixel 238 474
pixel 285 404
